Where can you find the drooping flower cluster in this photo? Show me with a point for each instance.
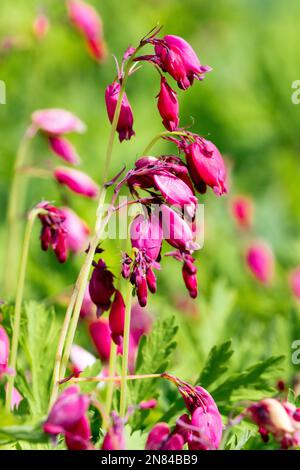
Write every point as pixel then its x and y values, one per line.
pixel 53 232
pixel 280 419
pixel 201 429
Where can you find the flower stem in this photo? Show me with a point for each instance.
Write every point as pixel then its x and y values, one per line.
pixel 15 207
pixel 125 351
pixel 160 136
pixel 70 323
pixel 116 378
pixel 111 373
pixel 19 299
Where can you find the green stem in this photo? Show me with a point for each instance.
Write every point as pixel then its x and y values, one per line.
pixel 115 378
pixel 60 347
pixel 19 299
pixel 14 212
pixel 111 373
pixel 125 351
pixel 160 136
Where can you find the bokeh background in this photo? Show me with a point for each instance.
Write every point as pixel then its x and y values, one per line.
pixel 244 106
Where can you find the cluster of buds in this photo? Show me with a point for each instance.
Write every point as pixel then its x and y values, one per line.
pixel 280 419
pixel 201 429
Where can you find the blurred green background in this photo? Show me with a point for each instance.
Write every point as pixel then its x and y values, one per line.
pixel 244 106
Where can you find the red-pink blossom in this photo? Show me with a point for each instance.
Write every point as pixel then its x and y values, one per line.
pixel 176 192
pixel 206 166
pixel 203 429
pixel 260 261
pixel 242 210
pixel 77 231
pixel 278 419
pixel 100 333
pixel 176 230
pixel 161 438
pixel 168 106
pixel 87 20
pixel 64 149
pixel 117 318
pixel 101 286
pixel 114 439
pixel 77 181
pixel 53 234
pixel 41 26
pixel 125 121
pixel 55 121
pixel 146 235
pixel 177 57
pixel 68 417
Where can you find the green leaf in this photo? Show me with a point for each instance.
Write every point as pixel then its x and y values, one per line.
pixel 91 371
pixel 27 433
pixel 39 336
pixel 153 357
pixel 216 364
pixel 254 377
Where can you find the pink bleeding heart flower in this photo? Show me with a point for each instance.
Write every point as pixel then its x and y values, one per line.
pixel 203 429
pixel 53 234
pixel 64 149
pixel 80 359
pixel 161 438
pixel 260 261
pixel 41 26
pixel 294 280
pixel 176 230
pixel 76 181
pixel 100 333
pixel 87 20
pixel 114 439
pixel 177 57
pixel 125 121
pixel 4 352
pixel 68 417
pixel 168 106
pixel 189 271
pixel 117 318
pixel 242 210
pixel 206 166
pixel 148 405
pixel 189 274
pixel 101 286
pixel 176 192
pixel 278 419
pixel 56 121
pixel 146 237
pixel 77 231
